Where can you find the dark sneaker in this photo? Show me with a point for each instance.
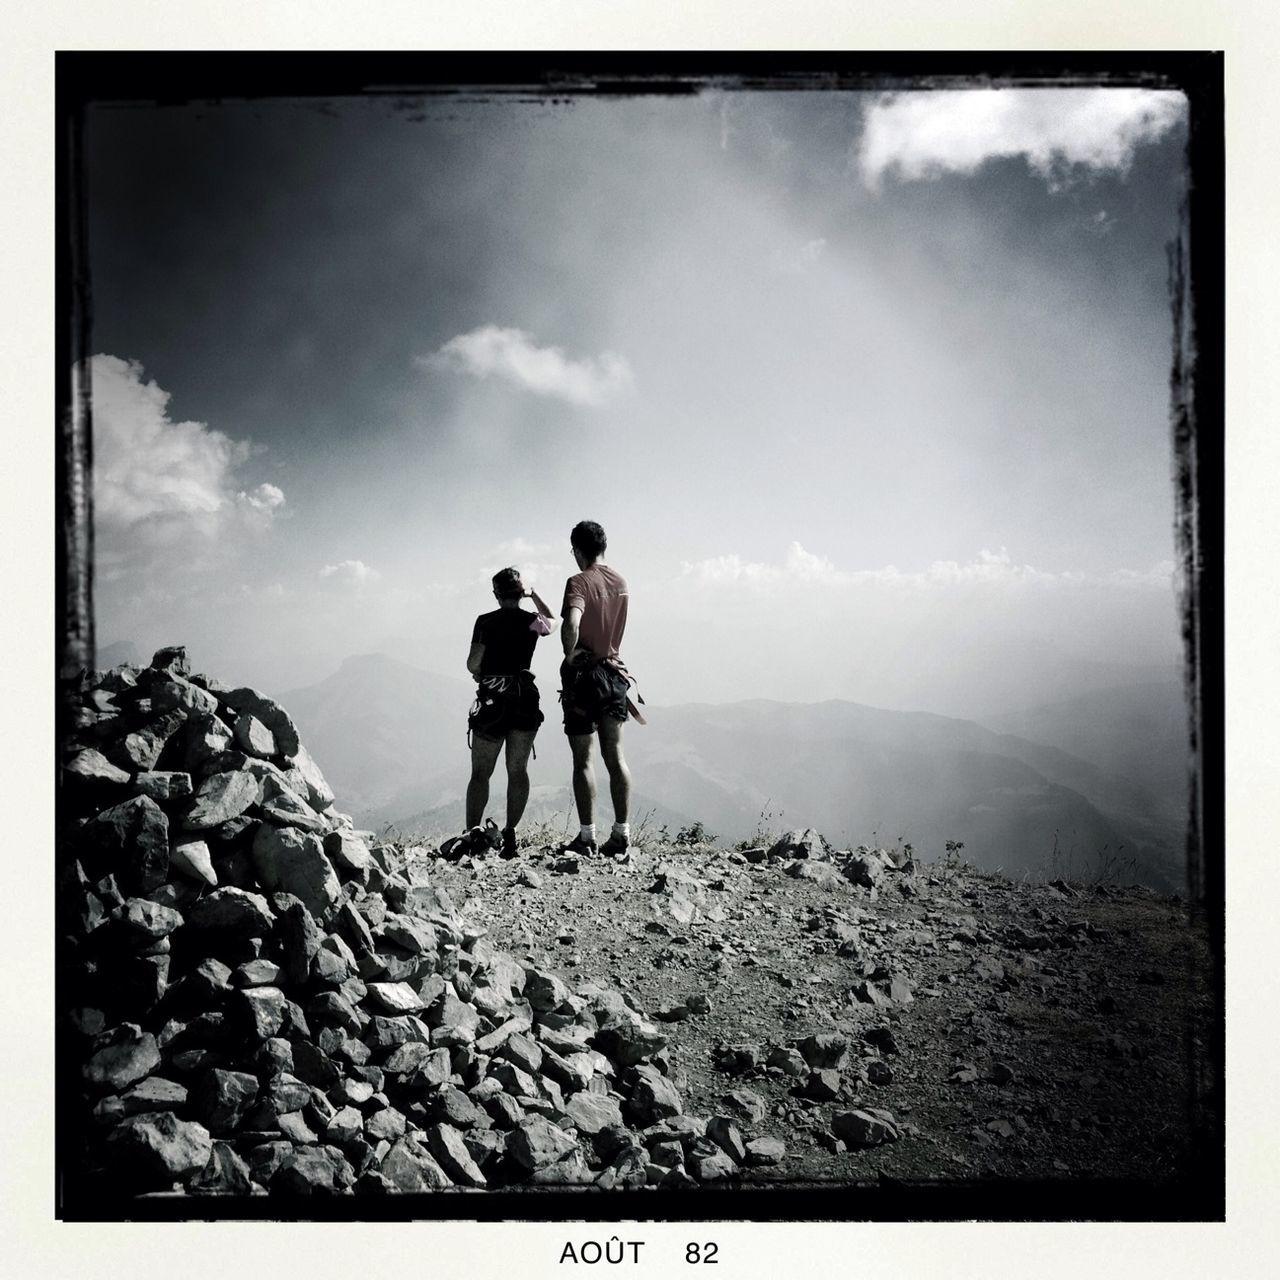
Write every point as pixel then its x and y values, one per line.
pixel 615 846
pixel 587 848
pixel 509 845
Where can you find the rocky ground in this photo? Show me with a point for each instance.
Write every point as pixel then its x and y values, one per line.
pixel 1017 1030
pixel 256 999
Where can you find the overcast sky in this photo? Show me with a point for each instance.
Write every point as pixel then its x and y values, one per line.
pixel 870 393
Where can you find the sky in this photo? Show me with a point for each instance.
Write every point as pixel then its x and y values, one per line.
pixel 869 391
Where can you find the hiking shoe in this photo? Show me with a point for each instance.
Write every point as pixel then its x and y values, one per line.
pixel 615 846
pixel 488 837
pixel 509 845
pixel 587 848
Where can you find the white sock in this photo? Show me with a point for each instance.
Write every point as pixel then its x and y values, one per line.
pixel 588 831
pixel 622 829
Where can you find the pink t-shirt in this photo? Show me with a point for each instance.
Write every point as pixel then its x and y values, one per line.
pixel 601 593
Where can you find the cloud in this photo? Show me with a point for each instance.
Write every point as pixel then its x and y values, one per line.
pixel 797 259
pixel 925 134
pixel 354 572
pixel 151 471
pixel 512 355
pixel 266 497
pixel 517 547
pixel 991 569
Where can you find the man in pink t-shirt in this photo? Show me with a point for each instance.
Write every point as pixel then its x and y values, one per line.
pixel 594 685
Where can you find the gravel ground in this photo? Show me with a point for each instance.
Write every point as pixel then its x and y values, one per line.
pixel 1015 1030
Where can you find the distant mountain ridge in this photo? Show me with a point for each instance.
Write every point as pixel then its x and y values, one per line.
pixel 391 740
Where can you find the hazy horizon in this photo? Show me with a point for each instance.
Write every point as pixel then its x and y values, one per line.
pixel 869 392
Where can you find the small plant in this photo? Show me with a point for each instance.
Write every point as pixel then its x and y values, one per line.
pixel 765 833
pixel 640 834
pixel 952 856
pixel 694 834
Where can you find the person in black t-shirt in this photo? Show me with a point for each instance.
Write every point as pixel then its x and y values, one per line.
pixel 505 712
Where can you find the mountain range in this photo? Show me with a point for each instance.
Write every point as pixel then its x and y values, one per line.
pixel 1080 787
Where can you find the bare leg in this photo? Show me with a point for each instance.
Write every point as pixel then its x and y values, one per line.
pixel 619 774
pixel 584 776
pixel 519 744
pixel 484 755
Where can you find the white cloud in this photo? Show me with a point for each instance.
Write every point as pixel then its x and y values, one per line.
pixel 151 471
pixel 991 569
pixel 512 354
pixel 925 134
pixel 517 547
pixel 266 497
pixel 353 572
pixel 797 259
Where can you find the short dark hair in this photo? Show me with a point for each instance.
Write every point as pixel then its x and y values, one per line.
pixel 588 537
pixel 507 584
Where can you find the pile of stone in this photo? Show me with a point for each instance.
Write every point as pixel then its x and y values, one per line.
pixel 819 1063
pixel 257 998
pixel 804 854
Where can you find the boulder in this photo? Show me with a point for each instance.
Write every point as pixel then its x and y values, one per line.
pixel 450 1150
pixel 766 1150
pixel 589 1113
pixel 222 1098
pixel 313 1170
pixel 394 997
pixel 234 911
pixel 171 659
pixel 121 1057
pixel 411 1168
pixel 319 793
pixel 160 1148
pixel 802 843
pixel 865 1128
pixel 348 852
pixel 181 695
pixel 92 770
pixel 222 796
pixel 134 837
pixel 724 1133
pixel 652 1096
pixel 824 1050
pixel 265 1010
pixel 269 712
pixel 295 863
pixel 297 936
pixel 283 807
pixel 149 920
pixel 193 860
pixel 226 1174
pixel 536 1142
pixel 253 737
pixel 629 1041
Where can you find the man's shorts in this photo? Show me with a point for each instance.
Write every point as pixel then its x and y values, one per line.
pixel 504 703
pixel 591 692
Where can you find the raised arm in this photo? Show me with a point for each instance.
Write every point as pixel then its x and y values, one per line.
pixel 540 603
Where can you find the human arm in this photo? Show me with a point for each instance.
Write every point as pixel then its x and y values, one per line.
pixel 475 658
pixel 569 630
pixel 540 604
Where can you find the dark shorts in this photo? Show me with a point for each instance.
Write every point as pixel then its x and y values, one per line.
pixel 591 692
pixel 503 704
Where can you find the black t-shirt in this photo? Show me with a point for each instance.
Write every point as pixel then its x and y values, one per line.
pixel 508 641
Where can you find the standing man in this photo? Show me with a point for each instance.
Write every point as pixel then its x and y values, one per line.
pixel 594 685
